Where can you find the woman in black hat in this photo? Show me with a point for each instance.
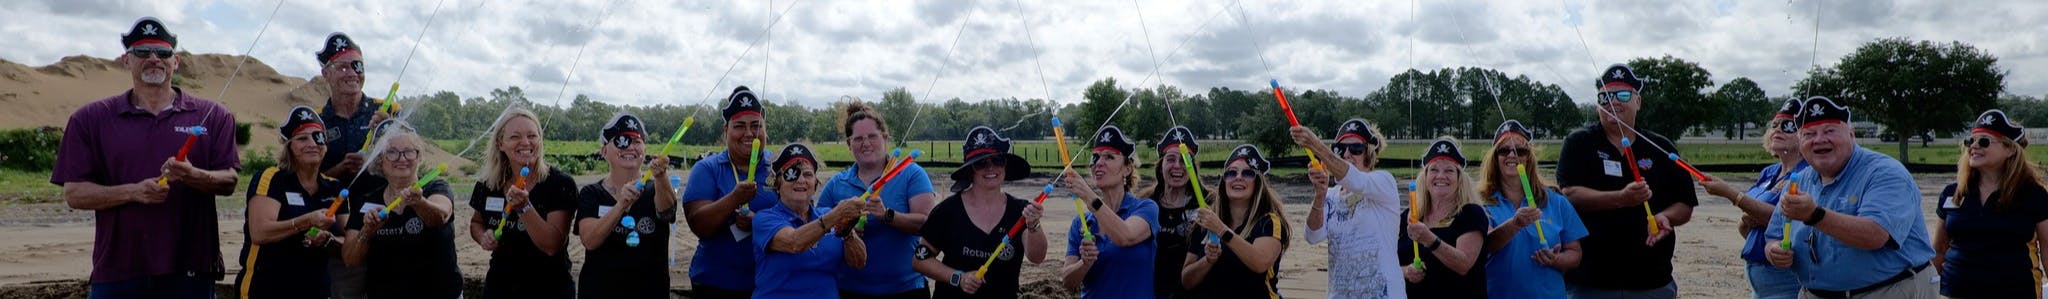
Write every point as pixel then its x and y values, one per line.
pixel 1450 230
pixel 623 221
pixel 523 209
pixel 719 202
pixel 1251 229
pixel 796 244
pixel 409 252
pixel 964 230
pixel 1117 262
pixel 281 258
pixel 1757 203
pixel 1536 231
pixel 1992 216
pixel 1176 199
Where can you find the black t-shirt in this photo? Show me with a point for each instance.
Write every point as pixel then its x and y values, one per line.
pixel 1230 277
pixel 407 258
pixel 287 268
pixel 1990 252
pixel 618 270
pixel 964 247
pixel 1438 280
pixel 1175 224
pixel 1615 257
pixel 518 267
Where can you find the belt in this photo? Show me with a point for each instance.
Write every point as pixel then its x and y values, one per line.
pixel 1903 275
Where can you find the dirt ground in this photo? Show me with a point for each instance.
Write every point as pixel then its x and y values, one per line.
pixel 45 249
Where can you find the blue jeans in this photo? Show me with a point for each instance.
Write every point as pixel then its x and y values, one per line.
pixel 183 286
pixel 1767 282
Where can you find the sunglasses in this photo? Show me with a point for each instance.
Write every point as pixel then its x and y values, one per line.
pixel 1349 148
pixel 1618 96
pixel 1237 173
pixel 997 161
pixel 352 66
pixel 1511 151
pixel 1977 142
pixel 145 52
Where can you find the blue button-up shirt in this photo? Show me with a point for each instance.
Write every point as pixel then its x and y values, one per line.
pixel 1872 186
pixel 723 259
pixel 889 249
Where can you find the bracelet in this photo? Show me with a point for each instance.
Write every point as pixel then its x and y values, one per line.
pixel 1434 245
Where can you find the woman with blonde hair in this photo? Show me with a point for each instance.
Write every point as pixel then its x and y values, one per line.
pixel 522 213
pixel 1450 230
pixel 1994 217
pixel 414 257
pixel 1782 141
pixel 1172 191
pixel 1531 245
pixel 1252 234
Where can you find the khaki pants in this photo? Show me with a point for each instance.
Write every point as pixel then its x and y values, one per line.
pixel 1920 286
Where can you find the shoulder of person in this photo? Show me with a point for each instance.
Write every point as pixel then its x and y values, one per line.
pixel 273 174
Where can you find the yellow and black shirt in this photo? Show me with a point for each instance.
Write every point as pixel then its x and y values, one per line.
pixel 286 268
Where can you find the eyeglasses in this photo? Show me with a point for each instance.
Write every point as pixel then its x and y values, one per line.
pixel 352 66
pixel 1511 151
pixel 145 52
pixel 407 154
pixel 1349 148
pixel 1239 173
pixel 1977 142
pixel 316 137
pixel 1622 96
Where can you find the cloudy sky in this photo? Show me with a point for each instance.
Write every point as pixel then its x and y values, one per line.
pixel 675 52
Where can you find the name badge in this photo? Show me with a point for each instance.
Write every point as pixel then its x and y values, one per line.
pixel 1611 167
pixel 604 210
pixel 294 198
pixel 1946 203
pixel 494 204
pixel 740 234
pixel 369 208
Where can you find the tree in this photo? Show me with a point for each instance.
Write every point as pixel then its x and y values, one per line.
pixel 1746 105
pixel 1911 87
pixel 1673 96
pixel 1099 100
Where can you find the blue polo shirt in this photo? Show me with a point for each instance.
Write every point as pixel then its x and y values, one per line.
pixel 889 249
pixel 1765 189
pixel 795 275
pixel 347 133
pixel 725 260
pixel 1872 186
pixel 1511 272
pixel 1119 272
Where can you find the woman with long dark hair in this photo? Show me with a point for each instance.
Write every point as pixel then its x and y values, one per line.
pixel 1252 233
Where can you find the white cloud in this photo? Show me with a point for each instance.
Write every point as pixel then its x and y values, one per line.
pixel 653 52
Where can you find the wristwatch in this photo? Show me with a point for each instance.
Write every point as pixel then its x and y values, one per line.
pixel 956 278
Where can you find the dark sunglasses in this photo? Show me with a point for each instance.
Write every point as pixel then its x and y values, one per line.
pixel 1516 151
pixel 1977 142
pixel 352 66
pixel 145 52
pixel 1348 148
pixel 997 161
pixel 1620 96
pixel 1235 173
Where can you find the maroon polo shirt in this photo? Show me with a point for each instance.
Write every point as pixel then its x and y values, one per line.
pixel 113 142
